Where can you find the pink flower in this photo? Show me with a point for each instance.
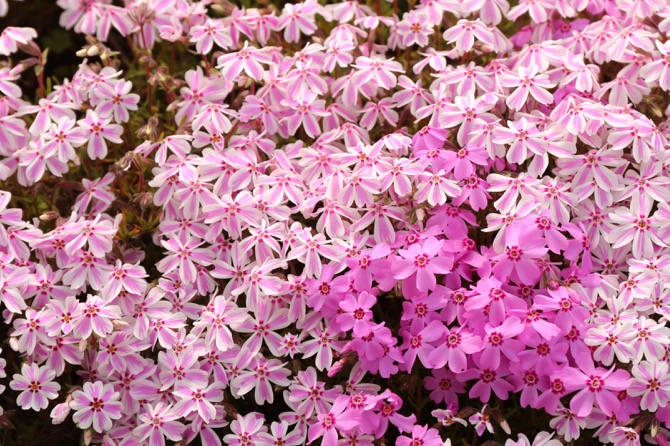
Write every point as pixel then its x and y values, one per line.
pixel 652 383
pixel 96 315
pixel 185 254
pixel 216 319
pixel 339 419
pixel 421 435
pixel 596 385
pixel 99 130
pixel 422 263
pixel 311 395
pixel 299 18
pixel 157 423
pixel 35 386
pixel 377 69
pixel 356 313
pixel 458 343
pixel 463 34
pixel 414 29
pixel 657 70
pixel 96 405
pixel 499 340
pixel 12 37
pixel 261 375
pixel 443 386
pixel 435 188
pixel 96 234
pixel 246 430
pixel 197 399
pixel 248 59
pixel 527 81
pixel 481 421
pixel 32 330
pixel 127 277
pixel 634 226
pixel 212 31
pixel 489 378
pixel 115 100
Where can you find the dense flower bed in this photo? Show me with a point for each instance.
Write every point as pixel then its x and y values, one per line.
pixel 344 224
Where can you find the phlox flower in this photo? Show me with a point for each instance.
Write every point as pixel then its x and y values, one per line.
pixel 95 317
pixel 185 254
pixel 263 327
pixel 248 59
pixel 500 341
pixel 611 341
pixel 221 314
pixel 299 18
pixel 422 263
pixel 205 35
pixel 62 138
pixel 32 330
pixel 339 419
pixel 527 81
pixel 280 435
pixel 311 395
pixel 490 378
pixel 458 343
pixel 595 385
pixel 567 424
pixel 421 435
pixel 356 313
pixel 518 260
pixel 657 70
pixel 116 100
pixel 96 405
pixel 463 34
pixel 444 386
pixel 481 421
pixel 13 37
pixel 246 430
pixel 634 226
pixel 260 376
pixel 197 399
pixel 36 387
pixel 99 130
pixel 414 29
pixel 624 436
pixel 157 423
pixel 541 439
pixel 377 69
pixel 651 382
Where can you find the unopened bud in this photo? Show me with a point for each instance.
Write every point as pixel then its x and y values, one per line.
pixel 93 51
pixel 337 367
pixel 88 436
pixel 60 412
pixel 124 163
pixel 120 324
pixel 144 199
pixel 420 214
pixel 505 427
pixel 149 130
pixel 48 216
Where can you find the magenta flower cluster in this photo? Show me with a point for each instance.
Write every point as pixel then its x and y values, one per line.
pixel 349 198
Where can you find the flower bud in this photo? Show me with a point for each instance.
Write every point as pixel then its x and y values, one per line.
pixel 60 412
pixel 48 216
pixel 93 51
